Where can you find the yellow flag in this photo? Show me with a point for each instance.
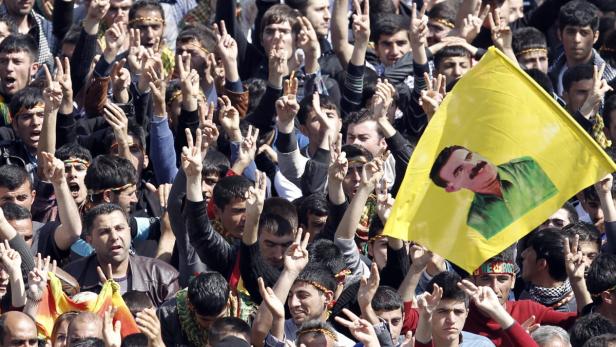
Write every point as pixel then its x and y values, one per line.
pixel 496 160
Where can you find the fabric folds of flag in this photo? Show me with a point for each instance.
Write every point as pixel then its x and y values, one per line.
pixel 55 302
pixel 496 160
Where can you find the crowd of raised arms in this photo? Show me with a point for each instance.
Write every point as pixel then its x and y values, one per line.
pixel 228 167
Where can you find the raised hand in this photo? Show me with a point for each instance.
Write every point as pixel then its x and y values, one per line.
pixel 605 185
pixel 152 69
pixel 419 26
pixel 600 87
pixel 162 192
pixel 471 25
pixel 419 256
pixel 149 324
pixel 225 43
pixel 97 9
pixel 277 66
pixel 287 106
pixel 114 39
pixel 158 88
pixel 255 197
pixel 274 305
pixel 229 118
pixel 112 333
pixel 483 297
pixel 307 38
pixel 382 99
pixel 189 82
pixel 296 256
pixel 117 120
pixel 209 130
pixel 427 302
pixel 11 260
pixel 328 124
pixel 120 81
pixel 52 94
pixel 530 324
pixel 361 329
pixel 135 50
pixel 501 33
pixel 248 148
pixel 37 278
pixel 338 165
pixel 385 201
pixel 372 173
pixel 63 77
pixel 192 162
pixel 433 96
pixel 53 168
pixel 368 287
pixel 574 259
pixel 361 22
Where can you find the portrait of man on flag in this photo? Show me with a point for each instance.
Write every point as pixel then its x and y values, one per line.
pixel 503 193
pixel 498 157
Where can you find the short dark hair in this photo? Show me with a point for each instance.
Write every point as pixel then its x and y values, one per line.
pixel 573 215
pixel 279 14
pixel 542 79
pixel 229 188
pixel 548 244
pixel 448 52
pixel 279 217
pixel 603 340
pixel 578 13
pixel 588 326
pixel 215 163
pixel 149 4
pixel 448 281
pixel 601 275
pixel 387 299
pixel 363 115
pixel 12 211
pixel 13 177
pixel 315 203
pixel 446 10
pixel 98 210
pixel 108 172
pixel 305 107
pixel 325 253
pixel 388 24
pixel 137 301
pixel 299 5
pixel 26 98
pixel 73 149
pixel 314 326
pixel 15 43
pixel 317 273
pixel 354 151
pixel 225 326
pixel 585 231
pixel 439 163
pixel 135 340
pixel 528 38
pixel 199 33
pixel 87 342
pixel 576 74
pixel 208 293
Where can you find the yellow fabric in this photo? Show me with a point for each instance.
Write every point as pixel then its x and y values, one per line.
pixel 499 112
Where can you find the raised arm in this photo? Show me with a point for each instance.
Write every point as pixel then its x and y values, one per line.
pixel 70 230
pixel 339 31
pixel 604 190
pixel 254 207
pixel 11 260
pixel 52 95
pixel 574 264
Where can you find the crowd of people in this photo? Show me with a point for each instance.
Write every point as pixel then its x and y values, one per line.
pixel 229 167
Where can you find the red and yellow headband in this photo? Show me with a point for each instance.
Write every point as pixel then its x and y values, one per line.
pixel 495 267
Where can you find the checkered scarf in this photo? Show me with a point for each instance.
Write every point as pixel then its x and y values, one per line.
pixel 549 296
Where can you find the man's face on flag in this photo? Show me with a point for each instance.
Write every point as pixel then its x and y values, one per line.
pixel 466 169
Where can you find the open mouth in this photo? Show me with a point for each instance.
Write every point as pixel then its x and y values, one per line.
pixel 73 187
pixel 10 82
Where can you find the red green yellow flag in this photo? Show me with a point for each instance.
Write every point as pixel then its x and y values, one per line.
pixel 55 302
pixel 499 156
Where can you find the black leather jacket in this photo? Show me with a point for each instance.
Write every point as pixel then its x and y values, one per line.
pixel 157 278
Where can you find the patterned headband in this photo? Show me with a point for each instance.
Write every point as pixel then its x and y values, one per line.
pixel 95 192
pixel 532 50
pixel 495 267
pixel 444 22
pixel 23 110
pixel 323 331
pixel 147 19
pixel 77 161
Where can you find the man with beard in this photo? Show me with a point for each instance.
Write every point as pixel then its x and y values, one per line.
pixel 503 193
pixel 107 230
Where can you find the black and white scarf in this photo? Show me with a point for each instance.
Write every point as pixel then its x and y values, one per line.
pixel 549 296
